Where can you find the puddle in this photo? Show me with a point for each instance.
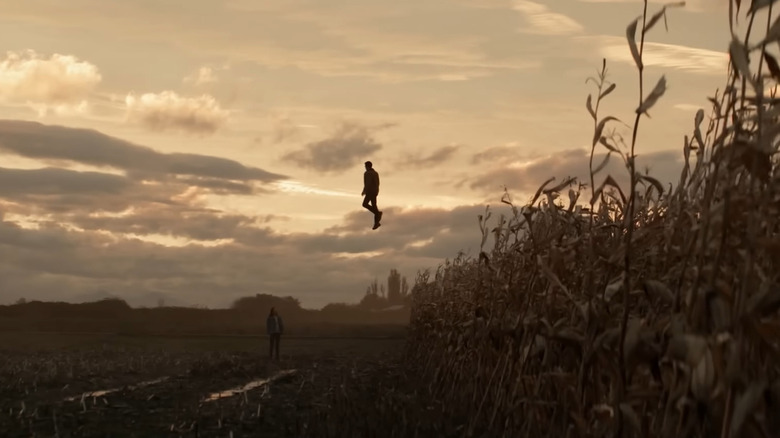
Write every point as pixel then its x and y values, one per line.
pixel 249 386
pixel 103 392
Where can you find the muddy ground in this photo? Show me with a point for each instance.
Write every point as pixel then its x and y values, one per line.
pixel 44 378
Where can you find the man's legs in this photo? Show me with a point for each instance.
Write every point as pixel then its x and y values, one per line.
pixel 273 347
pixel 377 213
pixel 372 207
pixel 276 345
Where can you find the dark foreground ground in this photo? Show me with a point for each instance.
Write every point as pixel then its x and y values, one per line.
pixel 162 385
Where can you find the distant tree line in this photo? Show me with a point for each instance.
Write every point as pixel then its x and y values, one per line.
pixel 382 310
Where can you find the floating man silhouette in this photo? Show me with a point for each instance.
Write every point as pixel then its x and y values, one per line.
pixel 370 191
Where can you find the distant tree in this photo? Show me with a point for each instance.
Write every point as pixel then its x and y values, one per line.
pixel 374 287
pixel 394 287
pixel 292 301
pixel 105 307
pixel 262 303
pixel 407 299
pixel 160 302
pixel 372 301
pixel 21 301
pixel 338 310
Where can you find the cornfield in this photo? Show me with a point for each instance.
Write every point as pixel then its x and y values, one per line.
pixel 635 311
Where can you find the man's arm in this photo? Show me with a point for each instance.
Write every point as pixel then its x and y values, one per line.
pixel 365 183
pixel 374 182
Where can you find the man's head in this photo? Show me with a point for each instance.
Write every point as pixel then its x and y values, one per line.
pixel 369 165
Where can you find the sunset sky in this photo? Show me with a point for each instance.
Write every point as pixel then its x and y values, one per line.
pixel 201 151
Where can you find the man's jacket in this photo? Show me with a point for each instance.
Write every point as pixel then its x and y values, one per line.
pixel 274 324
pixel 371 182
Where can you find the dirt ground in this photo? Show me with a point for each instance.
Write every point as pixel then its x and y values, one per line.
pixel 160 386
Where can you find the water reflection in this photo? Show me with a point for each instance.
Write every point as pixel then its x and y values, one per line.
pixel 249 386
pixel 103 392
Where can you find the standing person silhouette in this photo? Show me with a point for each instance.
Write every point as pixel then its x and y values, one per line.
pixel 274 327
pixel 370 191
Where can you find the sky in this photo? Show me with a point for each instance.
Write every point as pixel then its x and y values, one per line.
pixel 200 151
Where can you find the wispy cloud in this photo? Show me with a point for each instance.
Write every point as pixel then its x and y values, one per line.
pixel 285 129
pixel 204 75
pixel 168 111
pixel 691 5
pixel 688 107
pixel 505 153
pixel 291 186
pixel 539 19
pixel 691 59
pixel 60 82
pixel 526 177
pixel 434 158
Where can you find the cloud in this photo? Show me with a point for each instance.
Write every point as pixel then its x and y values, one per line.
pixel 285 129
pixel 509 152
pixel 90 147
pixel 59 82
pixel 168 111
pixel 527 177
pixel 349 145
pixel 423 232
pixel 204 75
pixel 435 158
pixel 56 191
pixel 688 107
pixel 540 20
pixel 690 59
pixel 58 182
pixel 188 222
pixel 129 176
pixel 222 187
pixel 298 187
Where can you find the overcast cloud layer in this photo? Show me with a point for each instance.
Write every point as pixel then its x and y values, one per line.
pixel 200 151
